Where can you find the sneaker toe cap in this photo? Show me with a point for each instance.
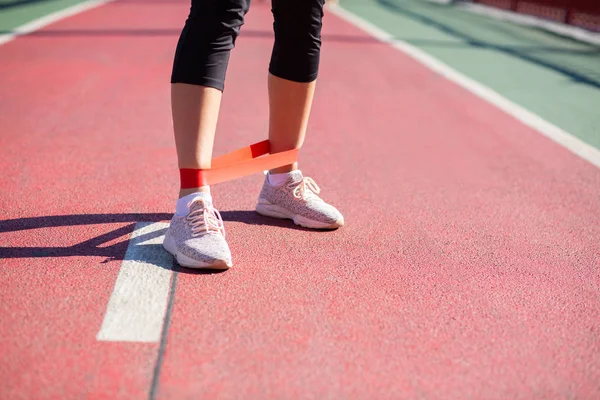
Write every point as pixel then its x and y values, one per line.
pixel 211 249
pixel 328 214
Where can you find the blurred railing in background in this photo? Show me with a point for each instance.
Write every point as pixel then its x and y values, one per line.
pixel 582 13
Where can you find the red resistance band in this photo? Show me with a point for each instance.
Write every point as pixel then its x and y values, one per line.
pixel 243 162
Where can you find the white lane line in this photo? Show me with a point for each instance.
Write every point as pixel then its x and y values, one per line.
pixel 49 19
pixel 137 306
pixel 553 132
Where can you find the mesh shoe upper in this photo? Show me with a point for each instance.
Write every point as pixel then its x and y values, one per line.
pixel 299 195
pixel 200 235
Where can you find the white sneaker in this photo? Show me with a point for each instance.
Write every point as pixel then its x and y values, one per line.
pixel 197 240
pixel 297 199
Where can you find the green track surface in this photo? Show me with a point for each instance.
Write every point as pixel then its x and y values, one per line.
pixel 555 77
pixel 14 13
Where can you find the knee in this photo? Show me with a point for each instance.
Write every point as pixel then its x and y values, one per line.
pixel 298 23
pixel 216 23
pixel 297 47
pixel 209 34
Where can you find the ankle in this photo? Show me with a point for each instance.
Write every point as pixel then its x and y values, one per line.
pixel 185 192
pixel 285 169
pixel 182 207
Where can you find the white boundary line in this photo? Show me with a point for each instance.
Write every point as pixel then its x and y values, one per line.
pixel 544 127
pixel 49 19
pixel 137 306
pixel 529 20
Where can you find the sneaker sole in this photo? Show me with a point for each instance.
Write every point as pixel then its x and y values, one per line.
pixel 188 262
pixel 275 211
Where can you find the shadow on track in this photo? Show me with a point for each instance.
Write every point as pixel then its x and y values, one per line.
pixel 95 245
pixel 19 3
pixel 90 247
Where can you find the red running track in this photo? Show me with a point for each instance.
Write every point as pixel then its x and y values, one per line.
pixel 468 269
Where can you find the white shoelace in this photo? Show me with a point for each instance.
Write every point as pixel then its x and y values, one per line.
pixel 306 185
pixel 205 218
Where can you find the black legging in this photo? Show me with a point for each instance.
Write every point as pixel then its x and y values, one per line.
pixel 213 25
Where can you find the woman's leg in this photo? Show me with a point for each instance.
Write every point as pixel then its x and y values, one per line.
pixel 198 78
pixel 293 71
pixel 289 104
pixel 196 234
pixel 195 111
